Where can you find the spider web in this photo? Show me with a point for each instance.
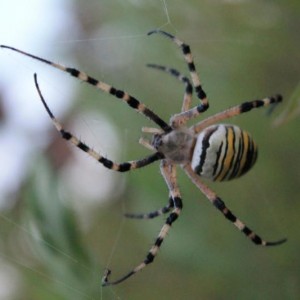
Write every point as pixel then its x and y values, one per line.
pixel 113 255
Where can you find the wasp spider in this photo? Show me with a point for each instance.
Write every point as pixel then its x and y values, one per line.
pixel 215 151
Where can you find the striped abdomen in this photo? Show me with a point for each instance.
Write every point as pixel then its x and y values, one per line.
pixel 223 152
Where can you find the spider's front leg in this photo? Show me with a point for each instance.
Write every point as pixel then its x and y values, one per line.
pixel 106 88
pixel 120 167
pixel 169 173
pixel 220 205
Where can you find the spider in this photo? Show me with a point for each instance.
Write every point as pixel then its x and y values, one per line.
pixel 207 149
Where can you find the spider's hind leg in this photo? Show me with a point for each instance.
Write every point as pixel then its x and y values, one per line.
pixel 237 110
pixel 220 205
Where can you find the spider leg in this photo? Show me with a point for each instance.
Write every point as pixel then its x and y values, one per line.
pixel 122 167
pixel 236 110
pixel 152 214
pixel 169 173
pixel 187 98
pixel 124 96
pixel 220 205
pixel 195 79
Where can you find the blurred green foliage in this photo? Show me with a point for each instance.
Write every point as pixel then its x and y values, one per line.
pixel 243 50
pixel 56 238
pixel 292 110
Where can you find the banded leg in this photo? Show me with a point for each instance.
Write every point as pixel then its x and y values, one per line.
pixel 123 167
pixel 195 78
pixel 236 110
pixel 169 174
pixel 220 205
pixel 124 96
pixel 187 98
pixel 152 214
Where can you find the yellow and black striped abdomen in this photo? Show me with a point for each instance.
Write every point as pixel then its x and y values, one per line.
pixel 223 152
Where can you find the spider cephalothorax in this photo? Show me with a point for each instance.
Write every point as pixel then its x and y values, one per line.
pixel 206 149
pixel 176 146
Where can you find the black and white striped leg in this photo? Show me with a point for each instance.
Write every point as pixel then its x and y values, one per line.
pixel 122 95
pixel 152 214
pixel 169 173
pixel 220 205
pixel 187 98
pixel 122 167
pixel 191 66
pixel 236 110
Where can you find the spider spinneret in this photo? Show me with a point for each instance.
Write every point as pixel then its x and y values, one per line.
pixel 215 151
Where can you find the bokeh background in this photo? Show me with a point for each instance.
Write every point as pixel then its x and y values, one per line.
pixel 61 213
